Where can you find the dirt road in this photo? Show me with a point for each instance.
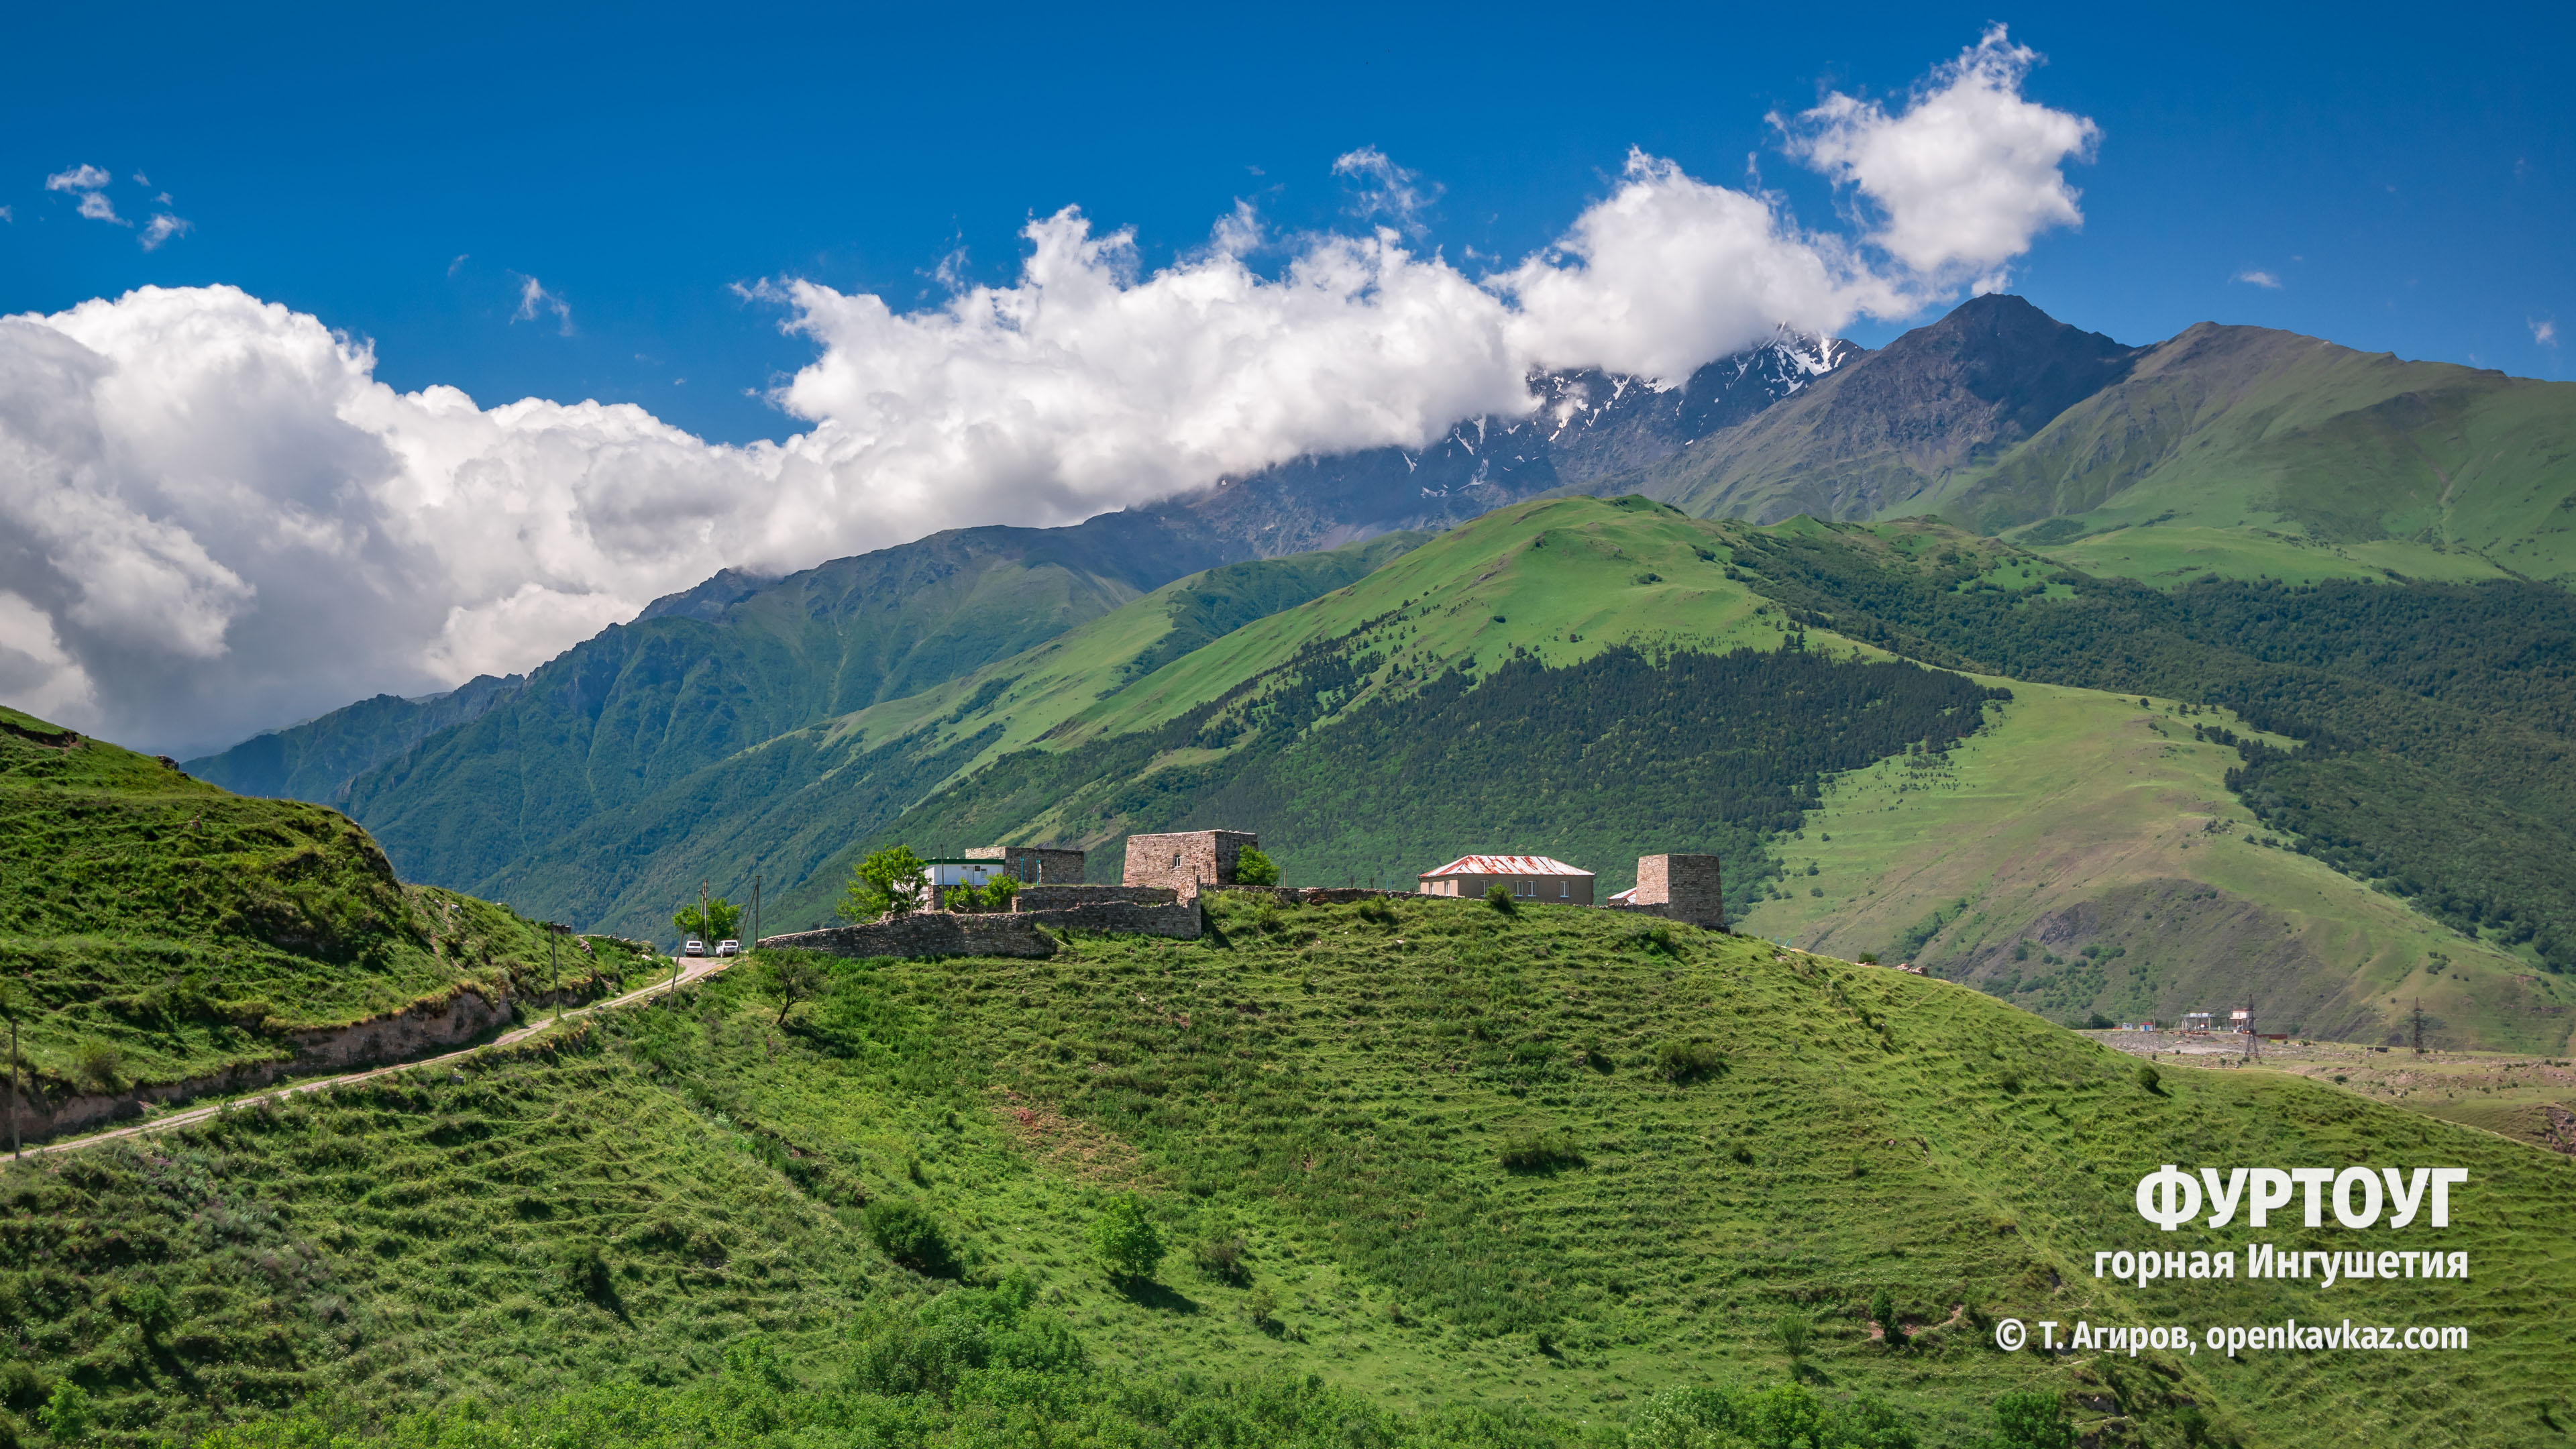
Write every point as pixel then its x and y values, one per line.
pixel 697 968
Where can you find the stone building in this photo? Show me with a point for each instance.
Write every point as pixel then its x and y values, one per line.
pixel 1683 888
pixel 1188 860
pixel 1537 878
pixel 1034 864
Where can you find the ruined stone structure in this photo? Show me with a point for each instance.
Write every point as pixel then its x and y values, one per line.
pixel 1014 932
pixel 1187 861
pixel 1034 864
pixel 1681 888
pixel 1065 897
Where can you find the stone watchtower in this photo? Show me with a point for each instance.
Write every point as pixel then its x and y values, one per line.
pixel 1686 886
pixel 1186 861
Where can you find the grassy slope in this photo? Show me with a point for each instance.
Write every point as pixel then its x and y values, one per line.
pixel 2077 819
pixel 193 930
pixel 2245 439
pixel 1336 1091
pixel 2530 1099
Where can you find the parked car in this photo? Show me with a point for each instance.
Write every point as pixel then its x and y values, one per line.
pixel 694 948
pixel 728 948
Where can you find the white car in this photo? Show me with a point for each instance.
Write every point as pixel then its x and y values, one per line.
pixel 694 948
pixel 728 948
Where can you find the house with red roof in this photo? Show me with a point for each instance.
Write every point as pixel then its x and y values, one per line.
pixel 1535 878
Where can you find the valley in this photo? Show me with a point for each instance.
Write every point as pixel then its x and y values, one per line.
pixel 2094 681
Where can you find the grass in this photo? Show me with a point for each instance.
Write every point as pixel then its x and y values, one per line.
pixel 2530 1099
pixel 1336 1091
pixel 2076 818
pixel 2168 555
pixel 168 930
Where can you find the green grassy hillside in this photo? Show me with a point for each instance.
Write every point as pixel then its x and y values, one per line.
pixel 1320 726
pixel 166 929
pixel 2083 855
pixel 2239 451
pixel 1485 1178
pixel 2239 428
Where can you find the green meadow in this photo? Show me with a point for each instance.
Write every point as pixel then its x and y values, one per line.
pixel 1462 1175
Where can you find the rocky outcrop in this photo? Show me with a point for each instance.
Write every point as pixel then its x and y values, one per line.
pixel 397 1036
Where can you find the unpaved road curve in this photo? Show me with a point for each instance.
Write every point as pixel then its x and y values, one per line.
pixel 698 969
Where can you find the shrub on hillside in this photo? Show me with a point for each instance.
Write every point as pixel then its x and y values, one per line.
pixel 1254 868
pixel 911 1236
pixel 2150 1078
pixel 2030 1420
pixel 1796 1335
pixel 1882 1311
pixel 1224 1259
pixel 1778 1417
pixel 1500 898
pixel 1129 1244
pixel 1537 1151
pixel 1682 1062
pixel 100 1066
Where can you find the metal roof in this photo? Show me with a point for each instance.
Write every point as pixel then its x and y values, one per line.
pixel 1506 865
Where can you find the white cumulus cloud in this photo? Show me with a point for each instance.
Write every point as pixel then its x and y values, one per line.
pixel 2254 278
pixel 2544 330
pixel 1966 174
pixel 161 228
pixel 214 519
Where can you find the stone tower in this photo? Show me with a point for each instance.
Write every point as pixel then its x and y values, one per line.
pixel 1685 886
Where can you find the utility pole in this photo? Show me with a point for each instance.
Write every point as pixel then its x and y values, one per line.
pixel 2253 1039
pixel 14 1150
pixel 2419 1026
pixel 554 976
pixel 755 910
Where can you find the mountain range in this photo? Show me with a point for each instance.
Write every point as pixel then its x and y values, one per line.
pixel 986 681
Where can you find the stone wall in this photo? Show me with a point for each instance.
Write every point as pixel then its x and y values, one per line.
pixel 1186 861
pixel 925 933
pixel 1003 933
pixel 1683 888
pixel 1034 864
pixel 1065 897
pixel 1320 895
pixel 1181 920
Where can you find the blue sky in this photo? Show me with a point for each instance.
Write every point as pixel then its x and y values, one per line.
pixel 2407 187
pixel 754 287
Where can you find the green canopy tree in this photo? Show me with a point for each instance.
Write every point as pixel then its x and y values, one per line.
pixel 888 883
pixel 715 923
pixel 1252 867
